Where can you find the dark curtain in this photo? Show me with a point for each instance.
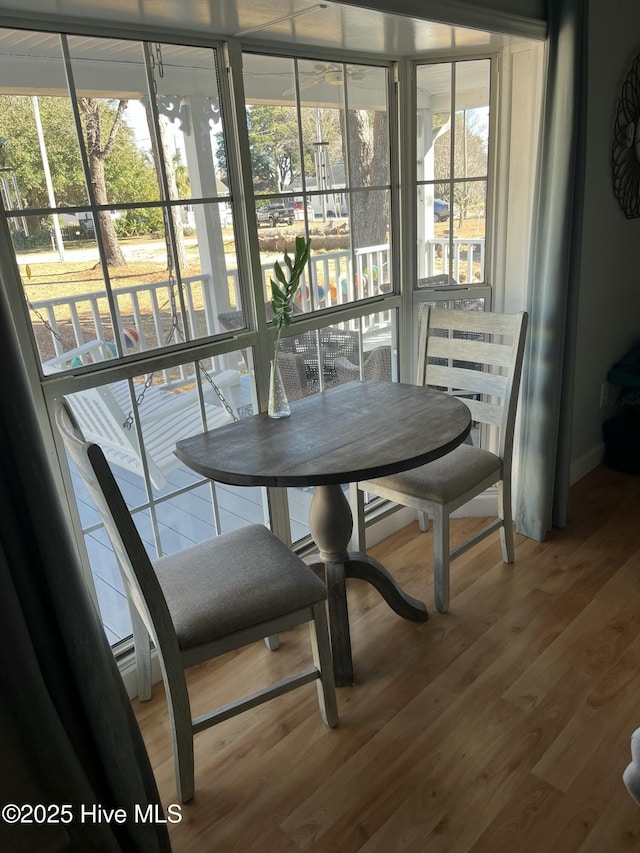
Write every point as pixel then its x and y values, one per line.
pixel 547 385
pixel 68 734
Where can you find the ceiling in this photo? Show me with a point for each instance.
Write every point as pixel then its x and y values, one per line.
pixel 330 25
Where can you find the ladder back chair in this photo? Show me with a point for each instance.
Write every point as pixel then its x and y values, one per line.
pixel 476 356
pixel 214 597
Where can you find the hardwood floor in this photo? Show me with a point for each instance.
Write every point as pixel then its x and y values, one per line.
pixel 500 727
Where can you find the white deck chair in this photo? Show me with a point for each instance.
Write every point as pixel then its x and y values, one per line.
pixel 165 416
pixel 476 355
pixel 204 601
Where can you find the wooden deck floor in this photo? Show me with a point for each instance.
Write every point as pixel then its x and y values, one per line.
pixel 502 726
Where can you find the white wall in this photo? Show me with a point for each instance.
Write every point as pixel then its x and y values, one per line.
pixel 609 302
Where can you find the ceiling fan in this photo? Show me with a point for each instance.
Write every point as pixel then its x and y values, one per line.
pixel 327 74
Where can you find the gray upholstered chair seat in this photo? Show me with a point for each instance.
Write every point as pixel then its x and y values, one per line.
pixel 216 588
pixel 447 478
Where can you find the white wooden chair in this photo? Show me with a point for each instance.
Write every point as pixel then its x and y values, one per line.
pixel 165 416
pixel 204 601
pixel 478 357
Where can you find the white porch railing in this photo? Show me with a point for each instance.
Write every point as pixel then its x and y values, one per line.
pixel 462 257
pixel 158 292
pixel 152 323
pixel 336 285
pixel 147 307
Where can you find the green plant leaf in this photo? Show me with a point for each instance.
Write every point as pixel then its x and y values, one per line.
pixel 280 273
pixel 284 289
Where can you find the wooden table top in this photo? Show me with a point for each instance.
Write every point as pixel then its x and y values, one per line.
pixel 355 431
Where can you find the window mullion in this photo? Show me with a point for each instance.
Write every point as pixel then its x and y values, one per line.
pixel 113 308
pixel 239 162
pixel 249 265
pixel 452 173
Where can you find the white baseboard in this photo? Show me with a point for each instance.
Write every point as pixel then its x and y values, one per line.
pixel 127 666
pixel 587 462
pixel 484 505
pixel 379 530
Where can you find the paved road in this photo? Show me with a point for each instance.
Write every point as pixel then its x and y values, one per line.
pixel 149 250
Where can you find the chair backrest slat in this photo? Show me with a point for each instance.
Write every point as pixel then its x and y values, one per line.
pixel 498 355
pixel 485 413
pixel 473 321
pixel 469 381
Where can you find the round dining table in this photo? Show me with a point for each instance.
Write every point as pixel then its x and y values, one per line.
pixel 351 432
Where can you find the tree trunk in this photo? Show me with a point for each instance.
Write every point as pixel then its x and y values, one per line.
pixel 113 252
pixel 97 153
pixel 368 167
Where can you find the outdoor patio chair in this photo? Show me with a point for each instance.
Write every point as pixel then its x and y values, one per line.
pixel 294 375
pixel 292 367
pixel 165 416
pixel 335 343
pixel 477 356
pixel 204 601
pixel 377 365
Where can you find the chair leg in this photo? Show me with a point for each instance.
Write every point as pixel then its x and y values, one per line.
pixel 441 557
pixel 182 730
pixel 323 660
pixel 356 502
pixel 504 512
pixel 423 521
pixel 142 647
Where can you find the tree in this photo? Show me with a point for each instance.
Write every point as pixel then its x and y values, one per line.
pixel 274 143
pixel 273 146
pixel 469 160
pixel 273 140
pixel 97 152
pixel 22 150
pixel 169 162
pixel 129 174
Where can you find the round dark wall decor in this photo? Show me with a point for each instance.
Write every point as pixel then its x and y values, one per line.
pixel 625 154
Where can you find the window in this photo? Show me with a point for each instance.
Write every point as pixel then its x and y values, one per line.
pixel 321 165
pixel 124 236
pixel 452 111
pixel 136 200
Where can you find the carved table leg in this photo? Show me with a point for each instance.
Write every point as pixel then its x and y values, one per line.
pixel 331 524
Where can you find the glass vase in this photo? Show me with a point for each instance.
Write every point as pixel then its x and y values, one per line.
pixel 278 406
